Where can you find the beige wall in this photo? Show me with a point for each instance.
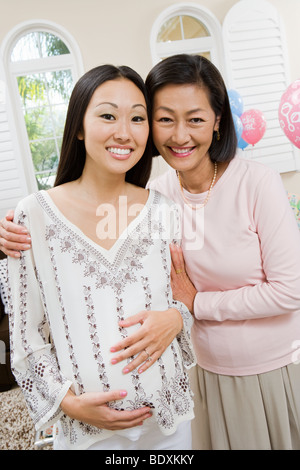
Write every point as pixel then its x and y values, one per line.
pixel 118 31
pixel 115 31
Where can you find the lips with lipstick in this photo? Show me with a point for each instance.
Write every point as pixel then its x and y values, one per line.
pixel 181 152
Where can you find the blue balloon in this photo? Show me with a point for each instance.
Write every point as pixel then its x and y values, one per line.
pixel 238 125
pixel 242 144
pixel 236 102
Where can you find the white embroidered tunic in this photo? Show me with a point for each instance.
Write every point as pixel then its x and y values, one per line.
pixel 75 292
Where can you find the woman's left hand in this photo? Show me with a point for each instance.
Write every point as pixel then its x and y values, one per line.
pixel 182 287
pixel 157 332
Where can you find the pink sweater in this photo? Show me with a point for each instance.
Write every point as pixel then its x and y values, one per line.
pixel 243 256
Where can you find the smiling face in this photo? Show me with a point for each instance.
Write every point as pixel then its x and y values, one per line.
pixel 115 127
pixel 183 125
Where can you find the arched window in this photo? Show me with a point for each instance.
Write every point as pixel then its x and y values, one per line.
pixel 43 63
pixel 186 28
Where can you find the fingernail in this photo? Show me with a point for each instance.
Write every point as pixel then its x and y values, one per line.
pixel 114 361
pixel 125 371
pixel 112 349
pixel 123 393
pixel 17 255
pixel 140 371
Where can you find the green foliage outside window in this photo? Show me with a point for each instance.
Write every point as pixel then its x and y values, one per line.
pixel 44 100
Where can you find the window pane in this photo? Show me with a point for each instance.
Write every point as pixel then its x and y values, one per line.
pixel 32 90
pixel 45 180
pixel 182 27
pixel 44 100
pixel 60 85
pixel 206 55
pixel 39 123
pixel 37 45
pixel 26 48
pixel 51 45
pixel 59 113
pixel 45 156
pixel 193 28
pixel 170 30
pixel 42 123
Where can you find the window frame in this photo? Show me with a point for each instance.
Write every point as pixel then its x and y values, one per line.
pixel 213 44
pixel 72 61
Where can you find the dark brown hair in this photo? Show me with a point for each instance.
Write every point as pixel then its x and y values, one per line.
pixel 73 154
pixel 184 69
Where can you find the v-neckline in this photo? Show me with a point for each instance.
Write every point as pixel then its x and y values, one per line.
pixel 81 235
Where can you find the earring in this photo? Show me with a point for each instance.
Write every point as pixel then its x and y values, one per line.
pixel 218 135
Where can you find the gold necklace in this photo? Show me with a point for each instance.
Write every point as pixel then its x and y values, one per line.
pixel 208 192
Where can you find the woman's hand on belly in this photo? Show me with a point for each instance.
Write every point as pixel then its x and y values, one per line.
pixel 158 330
pixel 92 408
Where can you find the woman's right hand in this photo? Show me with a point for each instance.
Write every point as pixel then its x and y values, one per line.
pixel 92 408
pixel 13 237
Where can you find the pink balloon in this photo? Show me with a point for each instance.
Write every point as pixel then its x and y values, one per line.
pixel 254 124
pixel 289 113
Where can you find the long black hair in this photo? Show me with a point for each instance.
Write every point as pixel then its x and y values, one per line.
pixel 185 69
pixel 73 153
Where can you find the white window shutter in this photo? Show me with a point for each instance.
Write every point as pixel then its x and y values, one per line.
pixel 257 67
pixel 13 186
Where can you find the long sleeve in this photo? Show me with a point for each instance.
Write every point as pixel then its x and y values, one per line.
pixel 34 361
pixel 184 336
pixel 279 292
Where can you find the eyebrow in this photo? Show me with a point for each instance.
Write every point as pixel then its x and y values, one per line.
pixel 165 108
pixel 114 105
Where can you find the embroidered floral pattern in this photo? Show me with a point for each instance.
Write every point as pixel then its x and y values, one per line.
pixel 76 372
pixel 32 381
pixel 114 274
pixel 95 338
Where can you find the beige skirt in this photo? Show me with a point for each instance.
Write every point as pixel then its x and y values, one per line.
pixel 257 412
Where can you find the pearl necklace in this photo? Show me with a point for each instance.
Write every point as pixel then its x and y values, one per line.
pixel 208 193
